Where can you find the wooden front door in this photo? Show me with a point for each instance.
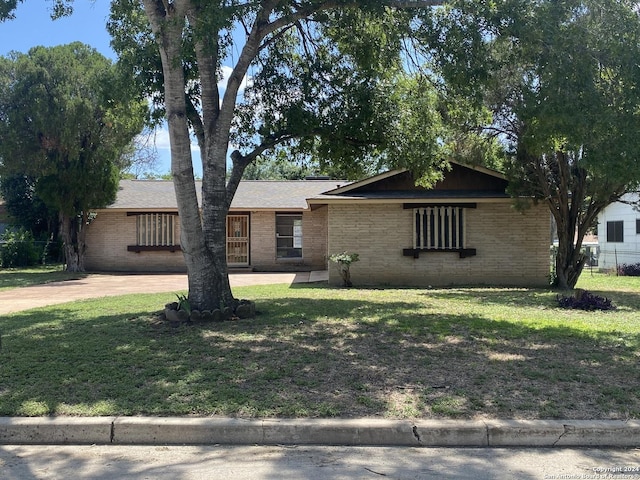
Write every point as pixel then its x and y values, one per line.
pixel 238 240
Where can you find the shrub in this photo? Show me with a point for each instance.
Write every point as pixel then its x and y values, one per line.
pixel 19 249
pixel 584 300
pixel 629 270
pixel 344 261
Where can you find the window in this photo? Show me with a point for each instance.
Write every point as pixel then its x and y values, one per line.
pixel 155 229
pixel 615 231
pixel 637 225
pixel 439 228
pixel 288 236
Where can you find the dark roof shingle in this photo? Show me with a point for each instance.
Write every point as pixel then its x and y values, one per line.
pixel 251 194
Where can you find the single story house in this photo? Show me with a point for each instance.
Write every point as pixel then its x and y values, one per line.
pixel 270 227
pixel 465 230
pixel 619 233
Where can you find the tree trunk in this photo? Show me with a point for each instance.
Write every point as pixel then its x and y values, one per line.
pixel 73 234
pixel 569 264
pixel 204 249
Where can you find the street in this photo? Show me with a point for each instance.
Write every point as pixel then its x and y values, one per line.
pixel 26 462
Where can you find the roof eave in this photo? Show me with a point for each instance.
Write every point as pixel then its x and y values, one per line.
pixel 365 200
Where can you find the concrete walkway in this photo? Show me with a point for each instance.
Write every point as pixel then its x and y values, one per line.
pixel 106 285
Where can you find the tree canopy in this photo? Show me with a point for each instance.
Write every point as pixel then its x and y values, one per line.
pixel 310 77
pixel 562 83
pixel 555 83
pixel 66 120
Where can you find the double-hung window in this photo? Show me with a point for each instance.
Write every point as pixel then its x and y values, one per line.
pixel 615 231
pixel 288 236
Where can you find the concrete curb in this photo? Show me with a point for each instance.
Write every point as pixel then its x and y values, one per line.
pixel 355 432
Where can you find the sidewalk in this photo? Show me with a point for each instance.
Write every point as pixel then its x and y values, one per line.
pixel 104 285
pixel 351 432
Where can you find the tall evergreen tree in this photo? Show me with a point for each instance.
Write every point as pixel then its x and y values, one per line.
pixel 66 118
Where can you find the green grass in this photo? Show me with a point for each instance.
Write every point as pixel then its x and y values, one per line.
pixel 315 351
pixel 23 277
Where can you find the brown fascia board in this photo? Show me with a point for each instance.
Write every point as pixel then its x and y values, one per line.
pixel 391 173
pixel 481 169
pixel 362 183
pixel 343 200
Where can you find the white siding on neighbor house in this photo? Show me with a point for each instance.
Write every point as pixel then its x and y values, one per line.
pixel 627 251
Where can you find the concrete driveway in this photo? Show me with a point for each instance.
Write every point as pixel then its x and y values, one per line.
pixel 104 285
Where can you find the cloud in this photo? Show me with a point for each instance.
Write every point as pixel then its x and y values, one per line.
pixel 160 139
pixel 162 142
pixel 226 73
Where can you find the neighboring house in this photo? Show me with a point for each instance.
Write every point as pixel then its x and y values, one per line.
pixel 463 231
pixel 619 233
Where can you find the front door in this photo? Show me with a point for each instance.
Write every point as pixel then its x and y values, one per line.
pixel 238 240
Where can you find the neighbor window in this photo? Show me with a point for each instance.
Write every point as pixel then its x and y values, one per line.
pixel 637 225
pixel 288 236
pixel 615 232
pixel 155 229
pixel 440 228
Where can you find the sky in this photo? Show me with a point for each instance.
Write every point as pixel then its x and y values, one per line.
pixel 33 27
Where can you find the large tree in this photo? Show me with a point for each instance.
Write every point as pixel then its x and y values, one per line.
pixel 66 119
pixel 317 72
pixel 562 80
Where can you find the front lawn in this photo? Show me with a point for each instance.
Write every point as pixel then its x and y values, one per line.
pixel 24 277
pixel 315 351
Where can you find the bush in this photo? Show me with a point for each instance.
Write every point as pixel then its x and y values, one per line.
pixel 51 251
pixel 344 261
pixel 584 300
pixel 627 270
pixel 18 249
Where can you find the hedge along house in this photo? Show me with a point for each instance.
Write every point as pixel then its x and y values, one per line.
pixel 270 227
pixel 463 231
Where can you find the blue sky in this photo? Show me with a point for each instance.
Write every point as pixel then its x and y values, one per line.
pixel 33 26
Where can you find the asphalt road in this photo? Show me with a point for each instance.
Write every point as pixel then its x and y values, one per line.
pixel 23 462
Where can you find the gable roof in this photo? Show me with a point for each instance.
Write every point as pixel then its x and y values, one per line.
pixel 460 183
pixel 251 194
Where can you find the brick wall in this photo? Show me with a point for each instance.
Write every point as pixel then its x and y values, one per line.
pixel 112 231
pixel 314 242
pixel 512 247
pixel 107 239
pixel 263 240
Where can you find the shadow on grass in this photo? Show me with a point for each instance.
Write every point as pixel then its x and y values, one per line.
pixel 315 357
pixel 25 278
pixel 525 297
